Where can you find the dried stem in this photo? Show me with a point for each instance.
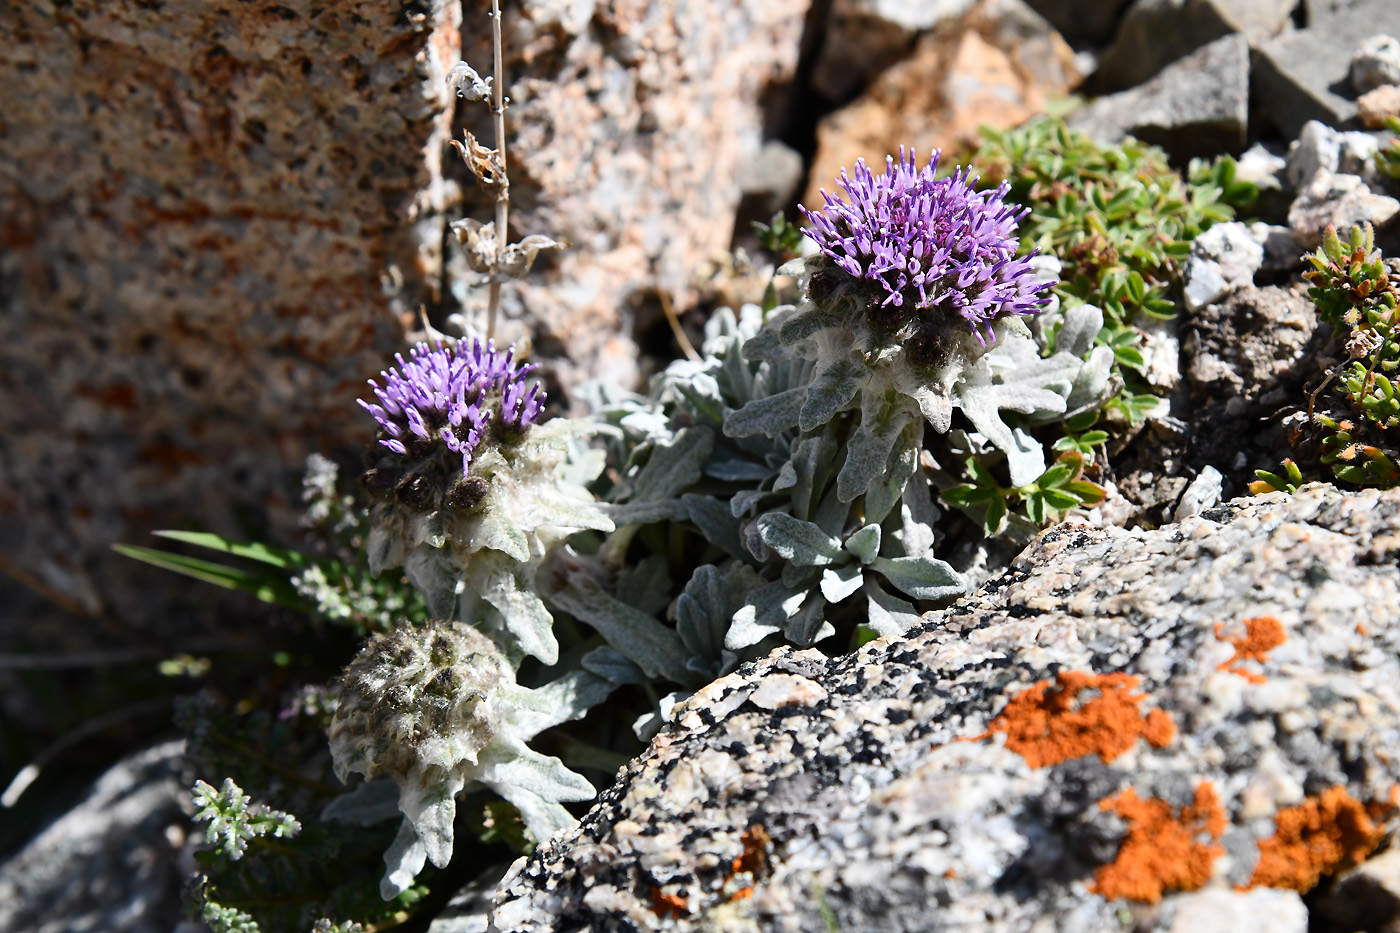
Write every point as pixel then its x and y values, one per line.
pixel 669 310
pixel 498 107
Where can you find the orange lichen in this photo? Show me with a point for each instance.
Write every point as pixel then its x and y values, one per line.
pixel 1048 724
pixel 1164 851
pixel 1261 635
pixel 663 904
pixel 1320 836
pixel 754 858
pixel 741 895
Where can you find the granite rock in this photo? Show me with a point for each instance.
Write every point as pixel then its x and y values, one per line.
pixel 1377 106
pixel 1337 200
pixel 1222 259
pixel 1303 75
pixel 1198 106
pixel 1244 358
pixel 998 64
pixel 864 37
pixel 1155 33
pixel 1376 62
pixel 1126 718
pixel 1319 146
pixel 114 862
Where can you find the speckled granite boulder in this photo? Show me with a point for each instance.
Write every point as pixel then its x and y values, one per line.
pixel 1131 729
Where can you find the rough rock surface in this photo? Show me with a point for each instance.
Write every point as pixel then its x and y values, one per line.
pixel 1303 75
pixel 1337 200
pixel 997 65
pixel 864 37
pixel 1198 106
pixel 220 217
pixel 1244 359
pixel 1126 715
pixel 1222 259
pixel 1154 33
pixel 1091 22
pixel 112 863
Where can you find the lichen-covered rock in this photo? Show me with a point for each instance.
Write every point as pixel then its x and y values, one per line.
pixel 1124 718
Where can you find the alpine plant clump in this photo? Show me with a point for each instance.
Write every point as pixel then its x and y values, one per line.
pixel 913 308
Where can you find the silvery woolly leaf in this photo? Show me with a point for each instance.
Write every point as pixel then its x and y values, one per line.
pixel 704 611
pixel 917 516
pixel 404 860
pixel 653 647
pixel 509 761
pixel 983 405
pixel 797 541
pixel 434 573
pixel 920 577
pixel 432 806
pixel 561 700
pixel 815 459
pixel 884 491
pixel 808 625
pixel 716 523
pixel 1082 325
pixel 383 548
pixel 800 578
pixel 674 466
pixel 833 385
pixel 864 544
pixel 786 478
pixel 612 665
pixel 807 321
pixel 840 582
pixel 366 804
pixel 767 344
pixel 745 500
pixel 883 418
pixel 647 584
pixel 770 416
pixel 888 615
pixel 799 266
pixel 766 612
pixel 522 611
pixel 645 512
pixel 1091 383
pixel 726 467
pixel 497 530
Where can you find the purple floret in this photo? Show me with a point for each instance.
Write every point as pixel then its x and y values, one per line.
pixel 930 243
pixel 449 394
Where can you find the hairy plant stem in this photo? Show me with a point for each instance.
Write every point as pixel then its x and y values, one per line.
pixel 502 181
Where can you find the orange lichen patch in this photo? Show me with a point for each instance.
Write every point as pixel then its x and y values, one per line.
pixel 1164 850
pixel 1320 836
pixel 663 904
pixel 1361 628
pixel 741 895
pixel 1049 724
pixel 1261 635
pixel 754 858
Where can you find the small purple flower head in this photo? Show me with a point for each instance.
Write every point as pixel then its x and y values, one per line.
pixel 444 398
pixel 929 252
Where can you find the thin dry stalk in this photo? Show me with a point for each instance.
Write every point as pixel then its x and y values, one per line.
pixel 502 182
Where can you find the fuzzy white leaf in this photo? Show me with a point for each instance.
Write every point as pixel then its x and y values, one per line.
pixel 435 573
pixel 888 615
pixel 654 648
pixel 770 416
pixel 498 581
pixel 883 417
pixel 365 804
pixel 716 523
pixel 766 612
pixel 798 541
pixel 840 582
pixel 920 577
pixel 674 466
pixel 404 860
pixel 864 544
pixel 833 385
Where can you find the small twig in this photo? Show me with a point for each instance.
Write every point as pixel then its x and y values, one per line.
pixel 675 322
pixel 502 182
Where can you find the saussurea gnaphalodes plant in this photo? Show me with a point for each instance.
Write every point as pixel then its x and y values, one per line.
pixel 824 473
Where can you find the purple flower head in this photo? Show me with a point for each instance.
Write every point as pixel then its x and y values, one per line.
pixel 447 395
pixel 932 249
